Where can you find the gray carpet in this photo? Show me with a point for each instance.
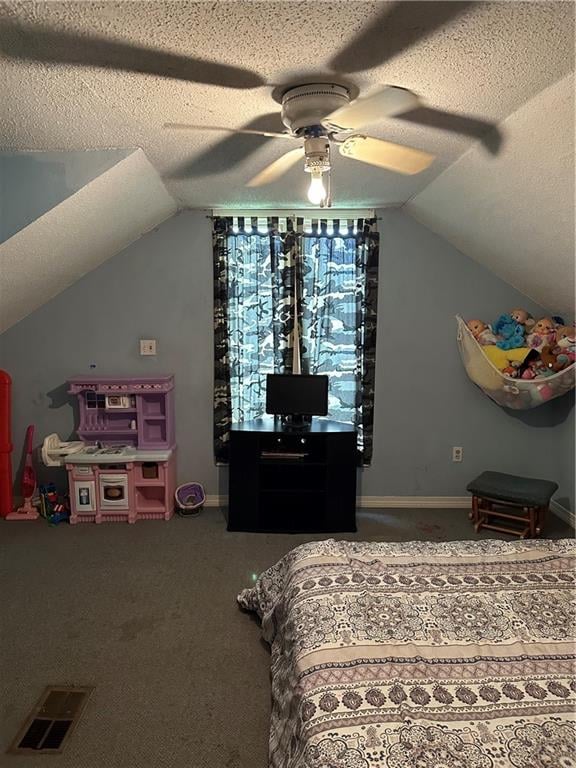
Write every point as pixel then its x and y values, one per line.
pixel 147 614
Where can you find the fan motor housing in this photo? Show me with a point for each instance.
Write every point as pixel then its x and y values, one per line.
pixel 306 106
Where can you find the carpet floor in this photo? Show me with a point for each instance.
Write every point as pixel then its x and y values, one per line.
pixel 147 615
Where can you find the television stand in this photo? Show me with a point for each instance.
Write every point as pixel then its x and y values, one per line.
pixel 296 422
pixel 297 480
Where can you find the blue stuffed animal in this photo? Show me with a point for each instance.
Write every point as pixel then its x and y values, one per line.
pixel 511 332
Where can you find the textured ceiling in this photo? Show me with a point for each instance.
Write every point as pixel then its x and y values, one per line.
pixel 515 213
pixel 68 241
pixel 486 63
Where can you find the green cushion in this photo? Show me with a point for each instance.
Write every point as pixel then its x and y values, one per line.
pixel 522 490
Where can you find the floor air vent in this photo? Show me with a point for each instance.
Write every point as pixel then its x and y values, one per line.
pixel 51 721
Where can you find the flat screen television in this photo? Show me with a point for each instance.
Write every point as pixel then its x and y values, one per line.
pixel 296 396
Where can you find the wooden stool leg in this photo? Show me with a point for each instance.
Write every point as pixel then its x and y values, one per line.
pixel 542 511
pixel 473 515
pixel 532 513
pixel 479 514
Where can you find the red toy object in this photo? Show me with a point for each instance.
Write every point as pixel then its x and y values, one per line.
pixel 27 511
pixel 5 445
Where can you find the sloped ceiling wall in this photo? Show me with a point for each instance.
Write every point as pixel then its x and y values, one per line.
pixel 33 182
pixel 79 234
pixel 514 213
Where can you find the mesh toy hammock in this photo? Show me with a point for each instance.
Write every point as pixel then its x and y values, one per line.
pixel 519 394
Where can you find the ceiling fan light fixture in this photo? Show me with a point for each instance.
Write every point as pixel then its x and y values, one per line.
pixel 317 163
pixel 317 152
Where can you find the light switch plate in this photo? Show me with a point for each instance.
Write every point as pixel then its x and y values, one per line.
pixel 147 346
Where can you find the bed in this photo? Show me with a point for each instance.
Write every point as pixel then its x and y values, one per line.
pixel 421 654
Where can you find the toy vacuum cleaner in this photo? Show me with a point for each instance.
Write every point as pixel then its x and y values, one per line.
pixel 28 485
pixel 5 445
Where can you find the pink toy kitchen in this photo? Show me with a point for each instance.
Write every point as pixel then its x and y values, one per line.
pixel 123 468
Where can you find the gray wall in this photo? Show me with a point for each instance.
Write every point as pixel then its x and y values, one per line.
pixel 161 287
pixel 32 183
pixel 567 463
pixel 425 404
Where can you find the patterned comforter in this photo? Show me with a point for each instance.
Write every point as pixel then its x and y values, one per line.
pixel 421 655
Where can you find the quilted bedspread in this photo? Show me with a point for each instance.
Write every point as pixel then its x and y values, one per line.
pixel 421 655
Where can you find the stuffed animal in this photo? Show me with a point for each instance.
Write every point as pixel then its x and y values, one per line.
pixel 524 318
pixel 505 358
pixel 540 364
pixel 541 393
pixel 532 366
pixel 550 361
pixel 543 334
pixel 510 332
pixel 481 332
pixel 565 349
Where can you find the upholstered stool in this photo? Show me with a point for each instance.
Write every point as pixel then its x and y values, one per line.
pixel 509 497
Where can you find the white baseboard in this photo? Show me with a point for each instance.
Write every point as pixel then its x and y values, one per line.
pixel 415 502
pixel 216 501
pixel 385 502
pixel 564 514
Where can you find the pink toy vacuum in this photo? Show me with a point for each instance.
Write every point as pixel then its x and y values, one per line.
pixel 28 486
pixel 5 445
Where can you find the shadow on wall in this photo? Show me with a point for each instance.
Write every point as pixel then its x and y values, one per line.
pixel 548 415
pixel 554 414
pixel 59 398
pixel 564 502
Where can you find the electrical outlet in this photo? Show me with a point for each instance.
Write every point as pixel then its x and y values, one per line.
pixel 457 453
pixel 147 346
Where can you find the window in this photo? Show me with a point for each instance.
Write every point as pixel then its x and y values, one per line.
pixel 288 298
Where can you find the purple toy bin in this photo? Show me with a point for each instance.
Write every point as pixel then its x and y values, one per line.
pixel 190 498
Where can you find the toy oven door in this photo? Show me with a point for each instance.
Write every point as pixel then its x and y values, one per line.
pixel 84 496
pixel 113 491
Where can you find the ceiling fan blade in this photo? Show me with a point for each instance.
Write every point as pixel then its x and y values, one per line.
pixel 230 150
pixel 36 42
pixel 393 31
pixel 385 154
pixel 488 133
pixel 224 129
pixel 386 103
pixel 277 168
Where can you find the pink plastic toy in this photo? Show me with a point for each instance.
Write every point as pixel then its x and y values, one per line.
pixel 27 511
pixel 5 445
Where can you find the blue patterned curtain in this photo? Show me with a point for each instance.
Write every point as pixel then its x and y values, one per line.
pixel 338 270
pixel 254 274
pixel 257 275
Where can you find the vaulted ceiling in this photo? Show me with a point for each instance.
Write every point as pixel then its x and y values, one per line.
pixel 478 59
pixel 514 213
pixel 225 63
pixel 78 234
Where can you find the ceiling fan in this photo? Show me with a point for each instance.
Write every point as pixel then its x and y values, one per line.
pixel 323 115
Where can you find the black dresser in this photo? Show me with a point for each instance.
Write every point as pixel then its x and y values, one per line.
pixel 291 481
